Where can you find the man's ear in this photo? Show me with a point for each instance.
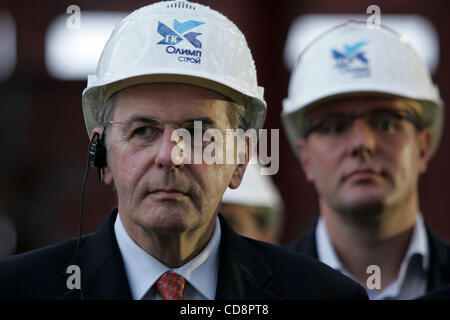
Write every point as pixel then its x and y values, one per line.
pixel 425 145
pixel 303 157
pixel 106 172
pixel 238 174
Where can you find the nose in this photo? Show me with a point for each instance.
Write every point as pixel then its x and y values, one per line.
pixel 363 139
pixel 166 154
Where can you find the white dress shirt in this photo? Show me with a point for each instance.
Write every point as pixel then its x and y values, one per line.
pixel 143 270
pixel 411 281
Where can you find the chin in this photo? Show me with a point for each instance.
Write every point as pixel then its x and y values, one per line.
pixel 363 203
pixel 364 195
pixel 364 210
pixel 167 219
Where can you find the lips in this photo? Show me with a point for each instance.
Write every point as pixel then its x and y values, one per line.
pixel 361 174
pixel 169 193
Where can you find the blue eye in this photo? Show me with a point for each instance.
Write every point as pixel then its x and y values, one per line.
pixel 194 131
pixel 335 125
pixel 385 122
pixel 329 126
pixel 385 125
pixel 142 131
pixel 147 132
pixel 335 128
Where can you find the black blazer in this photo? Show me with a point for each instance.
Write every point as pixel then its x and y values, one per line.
pixel 248 269
pixel 439 294
pixel 438 270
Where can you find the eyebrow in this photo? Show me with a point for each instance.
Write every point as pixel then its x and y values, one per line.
pixel 376 108
pixel 139 118
pixel 136 119
pixel 385 108
pixel 205 121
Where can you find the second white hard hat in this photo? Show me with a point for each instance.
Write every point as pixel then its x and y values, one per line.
pixel 352 59
pixel 255 190
pixel 182 42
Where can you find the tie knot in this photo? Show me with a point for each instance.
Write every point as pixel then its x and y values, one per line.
pixel 170 286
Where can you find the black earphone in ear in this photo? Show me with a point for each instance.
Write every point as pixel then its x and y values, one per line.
pixel 97 159
pixel 97 154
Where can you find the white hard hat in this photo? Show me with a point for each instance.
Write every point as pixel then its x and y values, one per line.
pixel 255 190
pixel 176 41
pixel 352 59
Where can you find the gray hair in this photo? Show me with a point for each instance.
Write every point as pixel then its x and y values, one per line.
pixel 104 116
pixel 236 115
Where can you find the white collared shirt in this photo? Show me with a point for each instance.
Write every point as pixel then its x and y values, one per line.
pixel 143 270
pixel 411 281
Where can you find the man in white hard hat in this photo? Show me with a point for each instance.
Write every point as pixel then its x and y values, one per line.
pixel 364 118
pixel 255 209
pixel 166 67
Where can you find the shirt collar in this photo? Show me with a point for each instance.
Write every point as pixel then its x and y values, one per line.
pixel 325 249
pixel 418 245
pixel 419 242
pixel 143 270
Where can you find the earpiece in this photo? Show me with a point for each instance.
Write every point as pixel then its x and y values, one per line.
pixel 97 154
pixel 97 159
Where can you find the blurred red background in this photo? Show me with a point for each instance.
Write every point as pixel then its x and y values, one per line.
pixel 43 143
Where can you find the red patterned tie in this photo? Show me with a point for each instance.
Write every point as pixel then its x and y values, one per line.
pixel 170 286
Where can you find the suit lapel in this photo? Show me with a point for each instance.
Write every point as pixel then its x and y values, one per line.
pixel 307 244
pixel 242 272
pixel 439 268
pixel 102 270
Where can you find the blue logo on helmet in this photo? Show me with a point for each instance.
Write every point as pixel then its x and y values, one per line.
pixel 181 31
pixel 352 60
pixel 178 33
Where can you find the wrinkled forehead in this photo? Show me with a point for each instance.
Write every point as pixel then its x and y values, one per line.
pixel 169 102
pixel 361 104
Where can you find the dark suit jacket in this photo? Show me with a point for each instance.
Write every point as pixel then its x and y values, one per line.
pixel 248 269
pixel 438 270
pixel 439 294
